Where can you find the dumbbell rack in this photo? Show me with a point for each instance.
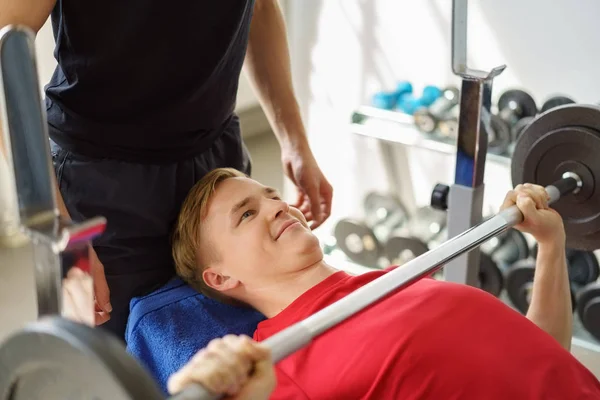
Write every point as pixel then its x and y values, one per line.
pixel 465 196
pixel 391 129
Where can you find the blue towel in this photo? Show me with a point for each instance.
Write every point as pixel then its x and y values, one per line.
pixel 167 327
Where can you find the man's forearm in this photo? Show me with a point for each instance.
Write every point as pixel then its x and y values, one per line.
pixel 267 66
pixel 550 307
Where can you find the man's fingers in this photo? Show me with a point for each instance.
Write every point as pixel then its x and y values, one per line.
pixel 526 204
pixel 509 200
pixel 101 287
pixel 299 200
pixel 101 317
pixel 326 197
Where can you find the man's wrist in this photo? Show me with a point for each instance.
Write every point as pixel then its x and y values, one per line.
pixel 553 245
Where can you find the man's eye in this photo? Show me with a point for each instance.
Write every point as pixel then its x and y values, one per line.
pixel 276 198
pixel 247 214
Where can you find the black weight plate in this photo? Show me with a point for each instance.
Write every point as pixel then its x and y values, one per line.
pixel 525 101
pixel 588 309
pixel 358 242
pixel 512 247
pixel 399 250
pixel 583 267
pixel 56 359
pixel 426 223
pixel 554 102
pixel 490 276
pixel 379 206
pixel 520 127
pixel 566 138
pixel 499 137
pixel 519 283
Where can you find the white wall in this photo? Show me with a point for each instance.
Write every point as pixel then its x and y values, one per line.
pixel 344 50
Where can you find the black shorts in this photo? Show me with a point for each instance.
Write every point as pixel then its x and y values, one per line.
pixel 141 203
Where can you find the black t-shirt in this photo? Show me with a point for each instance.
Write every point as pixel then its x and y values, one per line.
pixel 145 79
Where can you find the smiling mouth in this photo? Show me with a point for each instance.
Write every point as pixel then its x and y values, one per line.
pixel 286 227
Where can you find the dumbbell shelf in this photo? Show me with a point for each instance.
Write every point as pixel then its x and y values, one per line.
pixel 395 127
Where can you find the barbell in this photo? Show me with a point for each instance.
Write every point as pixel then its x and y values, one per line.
pixel 557 150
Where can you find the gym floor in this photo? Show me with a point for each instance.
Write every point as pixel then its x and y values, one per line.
pixel 16 283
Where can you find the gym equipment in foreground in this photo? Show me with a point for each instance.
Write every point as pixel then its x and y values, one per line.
pixel 59 244
pixel 564 182
pixel 363 241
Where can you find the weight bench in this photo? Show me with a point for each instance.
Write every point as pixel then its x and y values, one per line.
pixel 167 327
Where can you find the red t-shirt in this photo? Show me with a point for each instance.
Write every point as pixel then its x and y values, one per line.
pixel 432 340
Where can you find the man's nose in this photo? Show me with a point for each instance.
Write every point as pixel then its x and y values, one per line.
pixel 280 208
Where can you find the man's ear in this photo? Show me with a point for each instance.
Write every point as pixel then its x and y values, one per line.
pixel 218 281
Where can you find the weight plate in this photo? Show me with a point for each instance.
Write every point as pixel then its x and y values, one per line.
pixel 499 136
pixel 425 121
pixel 588 309
pixel 379 206
pixel 554 102
pixel 426 223
pixel 490 276
pixel 512 246
pixel 449 128
pixel 523 99
pixel 358 242
pixel 566 138
pixel 583 267
pixel 56 359
pixel 519 284
pixel 399 250
pixel 520 127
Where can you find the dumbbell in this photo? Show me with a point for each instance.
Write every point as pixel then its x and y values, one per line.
pixel 490 275
pixel 520 127
pixel 408 103
pixel 582 269
pixel 499 137
pixel 588 308
pixel 410 240
pixel 514 105
pixel 389 100
pixel 556 101
pixel 507 248
pixel 362 240
pixel 400 249
pixel 427 118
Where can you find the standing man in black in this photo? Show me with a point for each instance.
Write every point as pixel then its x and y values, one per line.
pixel 141 106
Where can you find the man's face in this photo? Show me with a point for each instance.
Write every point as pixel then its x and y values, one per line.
pixel 258 237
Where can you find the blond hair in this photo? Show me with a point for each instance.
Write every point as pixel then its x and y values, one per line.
pixel 191 251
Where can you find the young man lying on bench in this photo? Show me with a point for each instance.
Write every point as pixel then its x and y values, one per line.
pixel 237 241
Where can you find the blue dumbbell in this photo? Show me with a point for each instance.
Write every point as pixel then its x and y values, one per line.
pixel 389 100
pixel 409 103
pixel 385 100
